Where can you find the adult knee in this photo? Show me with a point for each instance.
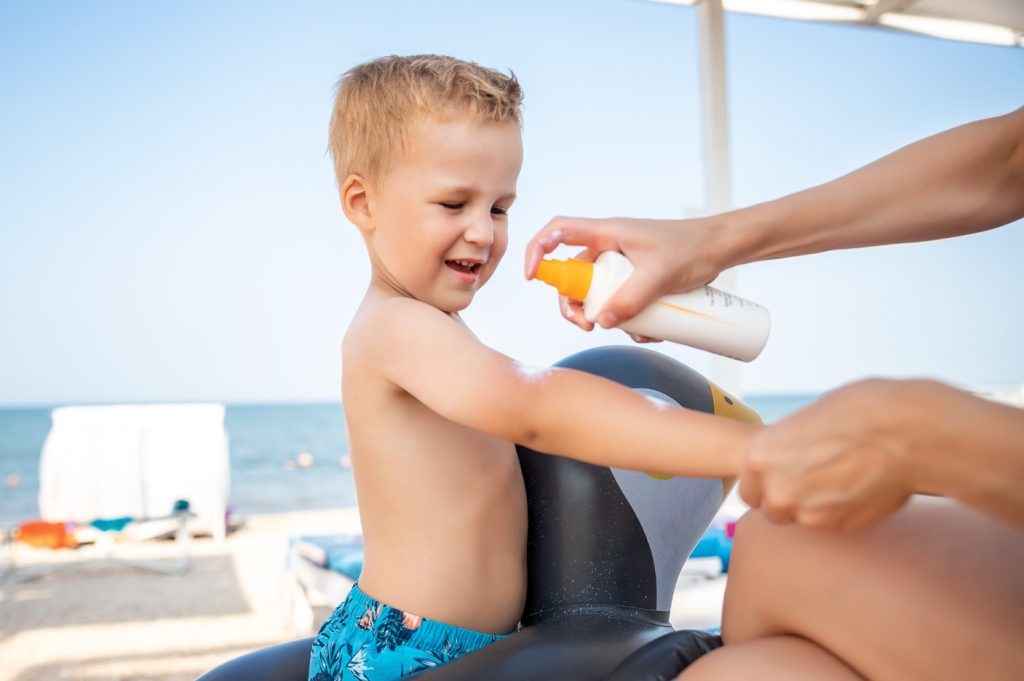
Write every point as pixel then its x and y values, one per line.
pixel 756 566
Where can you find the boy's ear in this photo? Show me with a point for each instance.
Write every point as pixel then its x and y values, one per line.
pixel 355 202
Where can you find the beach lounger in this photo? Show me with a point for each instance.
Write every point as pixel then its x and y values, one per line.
pixel 96 541
pixel 320 570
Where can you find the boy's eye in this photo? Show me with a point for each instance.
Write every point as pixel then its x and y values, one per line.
pixel 498 210
pixel 452 206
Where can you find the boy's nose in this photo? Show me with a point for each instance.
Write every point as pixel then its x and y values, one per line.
pixel 481 231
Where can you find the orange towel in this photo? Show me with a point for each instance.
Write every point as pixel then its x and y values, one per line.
pixel 44 535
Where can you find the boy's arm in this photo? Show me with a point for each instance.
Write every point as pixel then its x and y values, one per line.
pixel 561 411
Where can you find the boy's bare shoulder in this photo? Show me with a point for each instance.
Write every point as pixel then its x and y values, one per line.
pixel 389 323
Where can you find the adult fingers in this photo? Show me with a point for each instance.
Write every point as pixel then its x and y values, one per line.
pixel 777 507
pixel 572 310
pixel 587 255
pixel 774 494
pixel 596 235
pixel 866 514
pixel 778 515
pixel 751 484
pixel 637 338
pixel 822 518
pixel 750 487
pixel 636 293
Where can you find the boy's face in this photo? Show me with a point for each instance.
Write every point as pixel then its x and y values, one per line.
pixel 439 216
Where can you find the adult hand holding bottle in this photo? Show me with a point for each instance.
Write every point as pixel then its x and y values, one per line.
pixel 670 256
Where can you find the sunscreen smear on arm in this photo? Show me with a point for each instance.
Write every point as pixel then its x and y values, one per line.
pixel 704 318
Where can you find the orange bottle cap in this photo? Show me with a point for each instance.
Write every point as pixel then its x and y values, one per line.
pixel 571 277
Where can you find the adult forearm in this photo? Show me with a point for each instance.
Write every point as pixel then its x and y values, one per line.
pixel 963 180
pixel 969 448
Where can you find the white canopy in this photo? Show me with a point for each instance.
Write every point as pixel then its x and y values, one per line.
pixel 995 22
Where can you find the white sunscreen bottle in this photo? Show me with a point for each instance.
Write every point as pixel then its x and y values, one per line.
pixel 705 318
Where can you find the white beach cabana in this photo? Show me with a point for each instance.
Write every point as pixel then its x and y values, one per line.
pixel 993 22
pixel 137 461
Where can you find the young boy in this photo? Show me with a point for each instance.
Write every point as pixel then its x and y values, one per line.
pixel 427 152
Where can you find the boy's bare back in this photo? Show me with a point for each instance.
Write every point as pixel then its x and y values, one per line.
pixel 442 506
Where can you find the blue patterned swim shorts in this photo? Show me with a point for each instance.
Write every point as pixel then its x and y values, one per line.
pixel 366 640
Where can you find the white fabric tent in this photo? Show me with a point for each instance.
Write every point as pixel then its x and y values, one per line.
pixel 994 22
pixel 136 460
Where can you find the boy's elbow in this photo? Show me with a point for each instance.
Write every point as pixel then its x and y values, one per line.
pixel 528 437
pixel 526 426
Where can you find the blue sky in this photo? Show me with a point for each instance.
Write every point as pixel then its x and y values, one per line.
pixel 169 228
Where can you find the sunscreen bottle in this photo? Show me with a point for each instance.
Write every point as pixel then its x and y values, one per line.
pixel 704 318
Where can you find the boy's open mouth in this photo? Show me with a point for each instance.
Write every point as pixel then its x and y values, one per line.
pixel 467 266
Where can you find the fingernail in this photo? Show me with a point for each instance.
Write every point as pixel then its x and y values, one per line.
pixel 608 320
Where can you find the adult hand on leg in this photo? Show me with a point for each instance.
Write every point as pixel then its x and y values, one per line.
pixel 833 465
pixel 857 454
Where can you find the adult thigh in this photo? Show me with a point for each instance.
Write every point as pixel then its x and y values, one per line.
pixel 776 658
pixel 934 591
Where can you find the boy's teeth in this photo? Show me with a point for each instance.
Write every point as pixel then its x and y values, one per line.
pixel 465 265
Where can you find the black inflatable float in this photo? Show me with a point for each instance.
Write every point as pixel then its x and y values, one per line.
pixel 604 551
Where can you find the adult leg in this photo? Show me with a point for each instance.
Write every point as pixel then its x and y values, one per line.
pixel 776 658
pixel 934 591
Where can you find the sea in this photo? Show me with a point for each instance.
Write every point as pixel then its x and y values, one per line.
pixel 267 442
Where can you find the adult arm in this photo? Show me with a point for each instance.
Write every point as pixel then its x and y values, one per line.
pixel 963 180
pixel 960 181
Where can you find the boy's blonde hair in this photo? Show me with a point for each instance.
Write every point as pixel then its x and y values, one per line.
pixel 378 100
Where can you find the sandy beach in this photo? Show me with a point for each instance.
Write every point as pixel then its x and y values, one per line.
pixel 93 619
pixel 101 620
